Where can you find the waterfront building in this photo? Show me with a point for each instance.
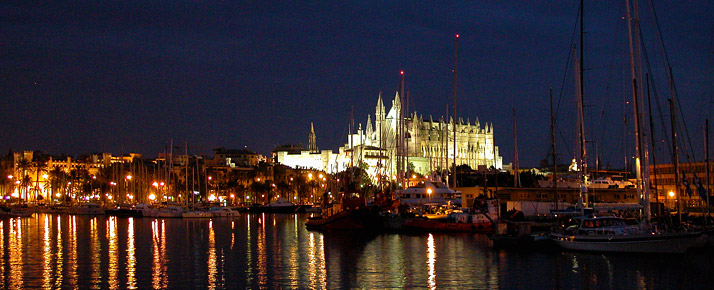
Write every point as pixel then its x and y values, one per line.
pixel 692 178
pixel 426 145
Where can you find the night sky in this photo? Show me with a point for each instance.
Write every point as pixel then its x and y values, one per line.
pixel 130 76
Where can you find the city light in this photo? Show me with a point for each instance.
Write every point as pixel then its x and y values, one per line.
pixel 152 197
pixel 671 194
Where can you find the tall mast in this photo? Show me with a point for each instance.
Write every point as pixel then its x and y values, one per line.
pixel 400 130
pixel 516 175
pixel 552 144
pixel 641 161
pixel 581 157
pixel 673 119
pixel 652 139
pixel 706 154
pixel 456 50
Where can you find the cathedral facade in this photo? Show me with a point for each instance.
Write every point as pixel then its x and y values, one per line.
pixel 394 143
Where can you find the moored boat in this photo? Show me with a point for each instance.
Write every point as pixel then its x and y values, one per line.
pixel 612 234
pixel 279 206
pixel 351 214
pixel 222 211
pixel 480 218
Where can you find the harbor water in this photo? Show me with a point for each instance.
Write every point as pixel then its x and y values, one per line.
pixel 275 251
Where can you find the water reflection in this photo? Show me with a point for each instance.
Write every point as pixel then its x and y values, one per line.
pixel 2 249
pixel 15 249
pixel 73 251
pixel 59 258
pixel 212 268
pixel 113 252
pixel 159 276
pixel 47 254
pixel 262 254
pixel 317 274
pixel 431 261
pixel 276 251
pixel 131 256
pixel 95 253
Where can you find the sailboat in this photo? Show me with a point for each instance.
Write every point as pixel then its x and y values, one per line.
pixel 609 233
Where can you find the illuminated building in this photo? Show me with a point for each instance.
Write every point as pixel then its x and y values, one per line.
pixel 428 145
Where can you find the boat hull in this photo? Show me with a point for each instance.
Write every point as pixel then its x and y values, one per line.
pixel 639 243
pixel 361 219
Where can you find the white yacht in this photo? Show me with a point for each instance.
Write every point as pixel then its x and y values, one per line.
pixel 430 191
pixel 612 234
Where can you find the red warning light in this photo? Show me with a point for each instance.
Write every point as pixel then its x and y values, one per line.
pixel 401 72
pixel 457 36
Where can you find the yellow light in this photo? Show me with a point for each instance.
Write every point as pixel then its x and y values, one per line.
pixel 155 184
pixel 232 196
pixel 152 197
pixel 428 190
pixel 109 197
pixel 128 177
pixel 211 197
pixel 45 176
pixel 309 175
pixel 671 194
pixel 413 176
pixel 58 194
pixel 320 175
pixel 258 179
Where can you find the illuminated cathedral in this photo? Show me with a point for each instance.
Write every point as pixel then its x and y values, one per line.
pixel 394 143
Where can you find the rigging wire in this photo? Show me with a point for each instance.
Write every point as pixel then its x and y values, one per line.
pixel 562 83
pixel 672 83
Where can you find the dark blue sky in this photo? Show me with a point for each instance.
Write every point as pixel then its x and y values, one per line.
pixel 129 76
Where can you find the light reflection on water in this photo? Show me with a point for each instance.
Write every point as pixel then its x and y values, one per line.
pixel 276 251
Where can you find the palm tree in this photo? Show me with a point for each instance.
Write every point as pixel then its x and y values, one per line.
pixel 25 183
pixel 23 165
pixel 57 178
pixel 40 166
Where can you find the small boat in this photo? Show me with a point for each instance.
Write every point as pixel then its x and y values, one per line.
pixel 171 211
pixel 222 211
pixel 480 218
pixel 612 234
pixel 279 206
pixel 351 214
pixel 124 210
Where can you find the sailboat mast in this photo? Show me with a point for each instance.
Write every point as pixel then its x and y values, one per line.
pixel 652 140
pixel 706 154
pixel 456 50
pixel 552 146
pixel 581 157
pixel 516 176
pixel 641 162
pixel 673 119
pixel 400 130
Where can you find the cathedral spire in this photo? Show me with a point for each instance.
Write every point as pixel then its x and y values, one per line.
pixel 369 128
pixel 313 139
pixel 380 112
